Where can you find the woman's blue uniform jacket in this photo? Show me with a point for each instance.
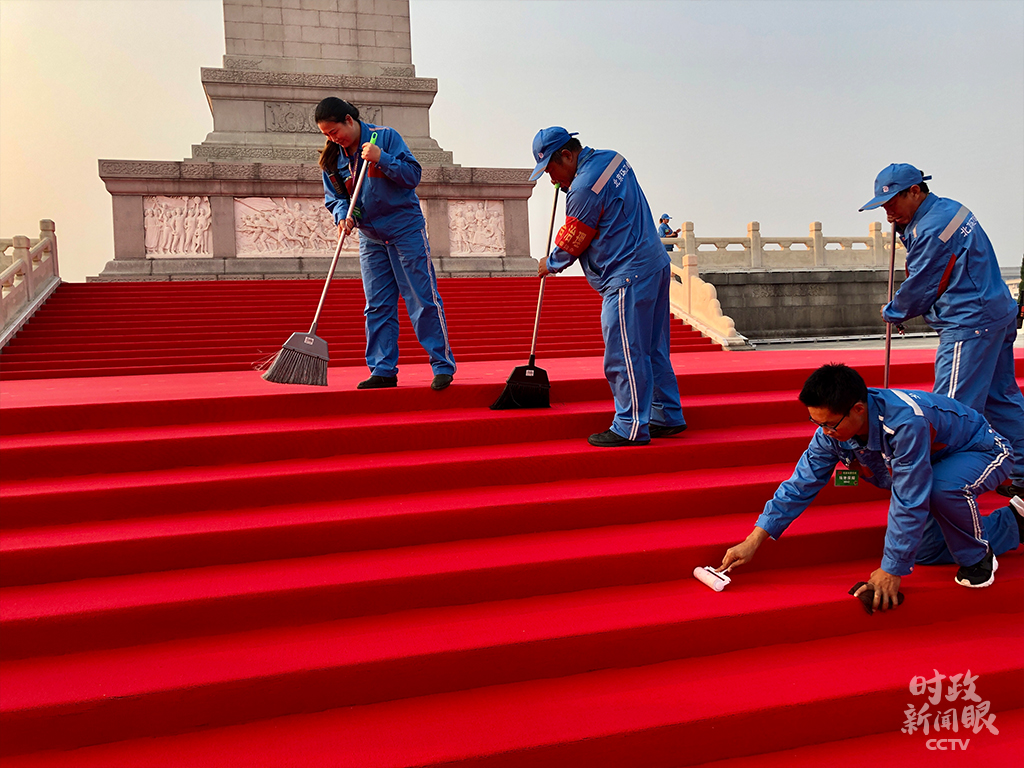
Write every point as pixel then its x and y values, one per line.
pixel 609 227
pixel 908 431
pixel 953 277
pixel 388 202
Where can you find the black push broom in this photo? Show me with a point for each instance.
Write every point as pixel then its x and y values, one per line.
pixel 528 385
pixel 303 358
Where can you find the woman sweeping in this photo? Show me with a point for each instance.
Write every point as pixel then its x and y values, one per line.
pixel 394 254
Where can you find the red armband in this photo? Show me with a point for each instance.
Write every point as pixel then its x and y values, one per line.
pixel 574 236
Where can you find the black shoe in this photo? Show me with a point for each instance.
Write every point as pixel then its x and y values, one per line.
pixel 979 575
pixel 609 439
pixel 441 381
pixel 378 382
pixel 1010 490
pixel 1017 506
pixel 660 430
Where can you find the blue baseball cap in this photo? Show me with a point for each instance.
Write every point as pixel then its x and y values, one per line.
pixel 891 181
pixel 665 216
pixel 545 144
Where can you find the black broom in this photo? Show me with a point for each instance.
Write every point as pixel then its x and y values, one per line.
pixel 528 385
pixel 303 358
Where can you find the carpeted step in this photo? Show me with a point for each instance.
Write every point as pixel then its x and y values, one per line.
pixel 181 539
pixel 63 405
pixel 33 502
pixel 91 331
pixel 737 702
pixel 132 449
pixel 146 607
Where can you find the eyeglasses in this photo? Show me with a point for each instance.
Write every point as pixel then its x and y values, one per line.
pixel 828 427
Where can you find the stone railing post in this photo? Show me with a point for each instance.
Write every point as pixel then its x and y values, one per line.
pixel 689 243
pixel 818 244
pixel 756 254
pixel 48 231
pixel 689 272
pixel 877 244
pixel 22 245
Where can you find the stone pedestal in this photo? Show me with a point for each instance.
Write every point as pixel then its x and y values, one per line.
pixel 249 202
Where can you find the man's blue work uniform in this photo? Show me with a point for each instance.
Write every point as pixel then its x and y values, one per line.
pixel 936 456
pixel 610 230
pixel 394 254
pixel 664 230
pixel 953 280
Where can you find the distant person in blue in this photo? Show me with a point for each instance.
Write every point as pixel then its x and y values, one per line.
pixel 394 254
pixel 664 230
pixel 610 230
pixel 935 455
pixel 953 280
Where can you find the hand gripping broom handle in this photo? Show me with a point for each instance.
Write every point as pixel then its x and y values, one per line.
pixel 341 240
pixel 540 296
pixel 888 325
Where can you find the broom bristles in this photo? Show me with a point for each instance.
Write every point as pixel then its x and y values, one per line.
pixel 293 367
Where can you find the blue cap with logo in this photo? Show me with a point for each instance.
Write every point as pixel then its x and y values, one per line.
pixel 665 217
pixel 891 181
pixel 545 144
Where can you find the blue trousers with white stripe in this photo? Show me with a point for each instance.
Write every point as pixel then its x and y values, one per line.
pixel 955 531
pixel 635 324
pixel 978 372
pixel 402 267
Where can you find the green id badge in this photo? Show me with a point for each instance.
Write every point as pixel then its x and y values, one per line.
pixel 847 477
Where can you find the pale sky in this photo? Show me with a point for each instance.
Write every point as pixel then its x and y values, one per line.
pixel 779 112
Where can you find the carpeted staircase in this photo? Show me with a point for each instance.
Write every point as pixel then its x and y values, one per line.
pixel 117 329
pixel 204 569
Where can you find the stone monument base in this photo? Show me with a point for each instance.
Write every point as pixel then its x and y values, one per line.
pixel 200 220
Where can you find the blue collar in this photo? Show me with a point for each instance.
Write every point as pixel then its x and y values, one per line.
pixel 922 209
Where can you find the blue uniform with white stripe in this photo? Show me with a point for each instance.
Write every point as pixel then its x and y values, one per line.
pixel 936 456
pixel 664 230
pixel 953 280
pixel 394 254
pixel 609 229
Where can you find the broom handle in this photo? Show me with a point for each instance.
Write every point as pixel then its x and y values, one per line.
pixel 540 295
pixel 888 326
pixel 341 240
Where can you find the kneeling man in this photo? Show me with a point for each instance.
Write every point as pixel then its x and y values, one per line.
pixel 935 454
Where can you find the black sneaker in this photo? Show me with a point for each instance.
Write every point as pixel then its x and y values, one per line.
pixel 1010 490
pixel 441 381
pixel 660 430
pixel 979 575
pixel 609 439
pixel 378 382
pixel 1017 505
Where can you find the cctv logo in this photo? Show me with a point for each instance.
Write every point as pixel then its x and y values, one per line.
pixel 937 744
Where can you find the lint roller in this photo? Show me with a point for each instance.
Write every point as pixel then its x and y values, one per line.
pixel 708 575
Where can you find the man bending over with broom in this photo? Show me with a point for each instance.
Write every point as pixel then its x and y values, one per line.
pixel 935 454
pixel 609 229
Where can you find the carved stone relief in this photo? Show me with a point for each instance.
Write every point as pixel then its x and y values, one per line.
pixel 476 227
pixel 288 117
pixel 292 117
pixel 369 113
pixel 280 226
pixel 177 226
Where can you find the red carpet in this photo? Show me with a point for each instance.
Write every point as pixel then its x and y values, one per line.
pixel 116 329
pixel 204 569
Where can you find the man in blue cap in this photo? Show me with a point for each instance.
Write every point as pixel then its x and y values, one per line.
pixel 610 230
pixel 664 230
pixel 953 280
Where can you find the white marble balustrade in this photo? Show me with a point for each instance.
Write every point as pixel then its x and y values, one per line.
pixel 29 273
